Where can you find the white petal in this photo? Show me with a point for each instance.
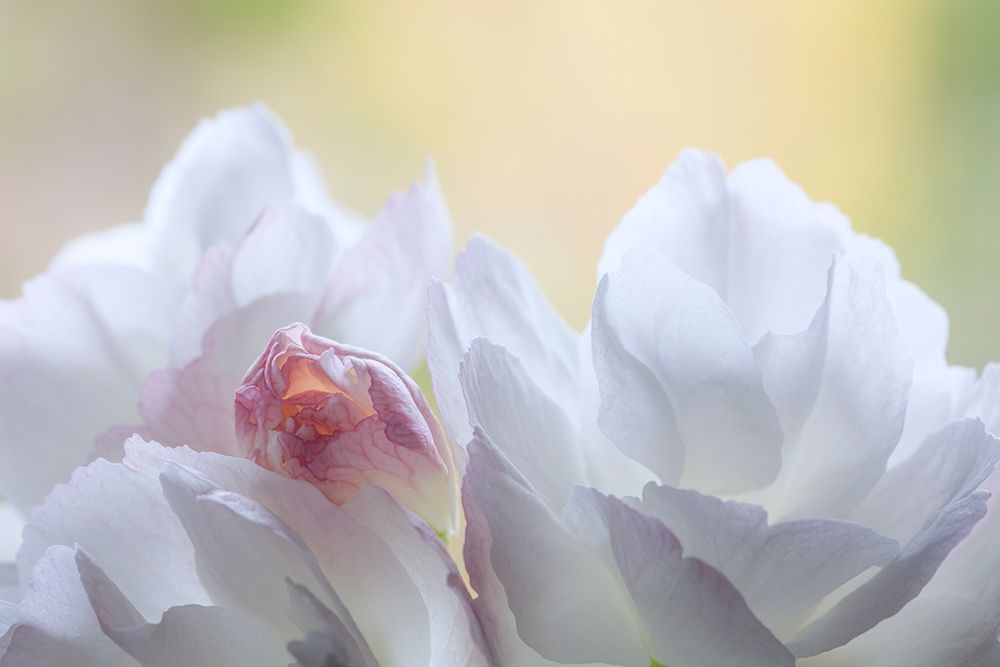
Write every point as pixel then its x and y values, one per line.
pixel 310 188
pixel 928 632
pixel 244 553
pixel 126 244
pixel 783 243
pixel 531 430
pixel 117 513
pixel 923 324
pixel 982 399
pixel 494 296
pixel 11 525
pixel 388 271
pixel 895 584
pixel 56 625
pixel 361 560
pixel 608 467
pixel 684 216
pixel 568 606
pixel 453 630
pixel 840 389
pixel 209 298
pixel 491 604
pixel 9 615
pixel 755 238
pixel 327 639
pixel 690 614
pixel 680 391
pixel 188 635
pixel 286 251
pixel 971 569
pixel 783 570
pixel 950 465
pixel 75 349
pixel 225 172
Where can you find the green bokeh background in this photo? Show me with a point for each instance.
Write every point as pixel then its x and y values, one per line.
pixel 546 119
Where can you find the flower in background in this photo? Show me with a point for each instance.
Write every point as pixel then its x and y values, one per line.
pixel 807 469
pixel 151 326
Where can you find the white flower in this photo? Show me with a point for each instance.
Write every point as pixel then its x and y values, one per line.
pixel 756 453
pixel 151 326
pixel 174 558
pixel 744 344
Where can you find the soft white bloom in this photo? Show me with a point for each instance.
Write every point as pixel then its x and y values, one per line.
pixel 151 326
pixel 756 453
pixel 787 395
pixel 174 558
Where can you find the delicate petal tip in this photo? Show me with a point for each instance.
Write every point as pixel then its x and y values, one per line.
pixel 201 195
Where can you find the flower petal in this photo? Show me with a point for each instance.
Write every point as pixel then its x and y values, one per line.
pixel 567 605
pixel 520 419
pixel 949 466
pixel 453 628
pixel 690 614
pixel 118 515
pixel 923 324
pixel 286 251
pixel 328 640
pixel 389 270
pixel 840 389
pixel 358 548
pixel 55 624
pixel 244 552
pixel 783 570
pixel 895 584
pixel 680 391
pixel 11 526
pixel 982 399
pixel 188 635
pixel 494 296
pixel 224 173
pixel 491 604
pixel 755 238
pixel 928 632
pixel 126 244
pixel 75 349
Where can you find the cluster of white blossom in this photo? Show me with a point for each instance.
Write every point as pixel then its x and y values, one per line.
pixel 754 455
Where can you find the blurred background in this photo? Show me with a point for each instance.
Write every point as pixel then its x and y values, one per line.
pixel 546 119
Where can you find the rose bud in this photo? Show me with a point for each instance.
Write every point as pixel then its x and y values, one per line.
pixel 340 418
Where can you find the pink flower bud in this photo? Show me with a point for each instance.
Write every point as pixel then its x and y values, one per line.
pixel 341 417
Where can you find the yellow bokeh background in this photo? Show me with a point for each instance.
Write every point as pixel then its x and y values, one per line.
pixel 546 119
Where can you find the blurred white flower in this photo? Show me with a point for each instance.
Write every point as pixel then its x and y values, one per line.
pixel 175 558
pixel 788 395
pixel 151 326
